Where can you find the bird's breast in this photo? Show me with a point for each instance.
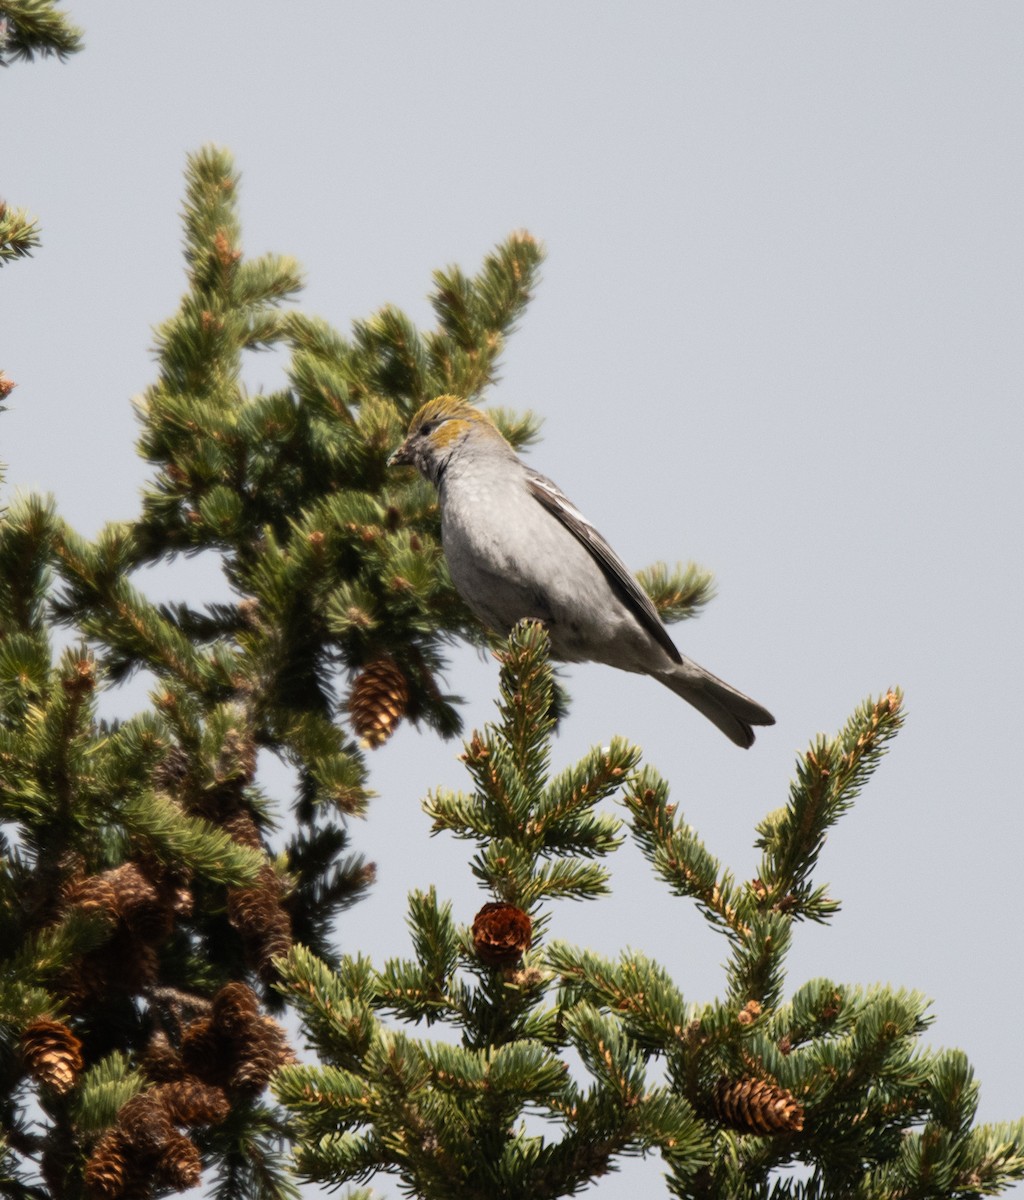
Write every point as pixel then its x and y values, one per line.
pixel 510 559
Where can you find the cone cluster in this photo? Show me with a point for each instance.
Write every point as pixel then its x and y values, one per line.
pixel 378 701
pixel 229 1054
pixel 757 1106
pixel 141 900
pixel 145 1150
pixel 257 910
pixel 235 1047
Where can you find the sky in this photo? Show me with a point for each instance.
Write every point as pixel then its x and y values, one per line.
pixel 778 333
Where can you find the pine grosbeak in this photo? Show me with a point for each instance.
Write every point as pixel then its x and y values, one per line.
pixel 517 548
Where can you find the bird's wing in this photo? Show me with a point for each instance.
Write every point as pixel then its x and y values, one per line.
pixel 616 572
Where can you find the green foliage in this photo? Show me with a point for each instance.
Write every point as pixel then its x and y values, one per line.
pixel 149 882
pixel 680 593
pixel 103 1090
pixel 19 233
pixel 31 27
pixel 732 1093
pixel 28 28
pixel 141 868
pixel 447 1119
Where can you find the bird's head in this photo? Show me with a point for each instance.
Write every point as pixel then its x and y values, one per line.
pixel 438 430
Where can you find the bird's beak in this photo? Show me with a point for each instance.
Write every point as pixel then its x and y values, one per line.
pixel 400 457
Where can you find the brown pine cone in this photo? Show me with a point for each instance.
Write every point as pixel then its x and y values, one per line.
pixel 181 1163
pixel 276 940
pixel 228 1051
pixel 191 1102
pixel 757 1106
pixel 92 894
pixel 52 1053
pixel 235 1009
pixel 141 906
pixel 502 934
pixel 161 1061
pixel 378 700
pixel 106 1172
pixel 262 1052
pixel 206 1053
pixel 145 1121
pixel 256 912
pixel 242 828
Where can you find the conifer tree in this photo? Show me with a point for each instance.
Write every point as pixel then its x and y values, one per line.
pixel 145 897
pixel 158 906
pixel 833 1078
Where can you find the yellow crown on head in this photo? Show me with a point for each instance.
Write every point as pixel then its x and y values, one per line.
pixel 451 415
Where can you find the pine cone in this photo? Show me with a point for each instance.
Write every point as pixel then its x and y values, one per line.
pixel 206 1053
pixel 106 1172
pixel 502 933
pixel 92 894
pixel 226 1050
pixel 190 1102
pixel 264 1050
pixel 161 1061
pixel 378 700
pixel 181 1163
pixel 141 906
pixel 171 774
pixel 145 1122
pixel 251 909
pixel 235 1009
pixel 257 914
pixel 757 1106
pixel 241 827
pixel 276 940
pixel 52 1053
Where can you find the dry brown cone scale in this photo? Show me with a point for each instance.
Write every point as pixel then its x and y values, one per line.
pixel 757 1106
pixel 378 701
pixel 180 1162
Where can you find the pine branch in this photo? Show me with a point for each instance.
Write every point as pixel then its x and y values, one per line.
pixel 476 315
pixel 177 839
pixel 680 593
pixel 830 776
pixel 145 882
pixel 637 990
pixel 19 230
pixel 103 1090
pixel 678 855
pixel 31 27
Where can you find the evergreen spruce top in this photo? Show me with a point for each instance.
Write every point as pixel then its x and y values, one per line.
pixel 158 904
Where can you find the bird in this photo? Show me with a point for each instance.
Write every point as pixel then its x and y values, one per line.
pixel 517 548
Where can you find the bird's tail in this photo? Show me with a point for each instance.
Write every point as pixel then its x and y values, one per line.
pixel 730 710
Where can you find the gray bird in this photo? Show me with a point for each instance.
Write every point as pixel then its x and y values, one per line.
pixel 517 548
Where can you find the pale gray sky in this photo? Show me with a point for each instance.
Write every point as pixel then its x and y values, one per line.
pixel 779 332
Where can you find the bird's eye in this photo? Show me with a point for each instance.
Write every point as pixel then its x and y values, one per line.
pixel 428 428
